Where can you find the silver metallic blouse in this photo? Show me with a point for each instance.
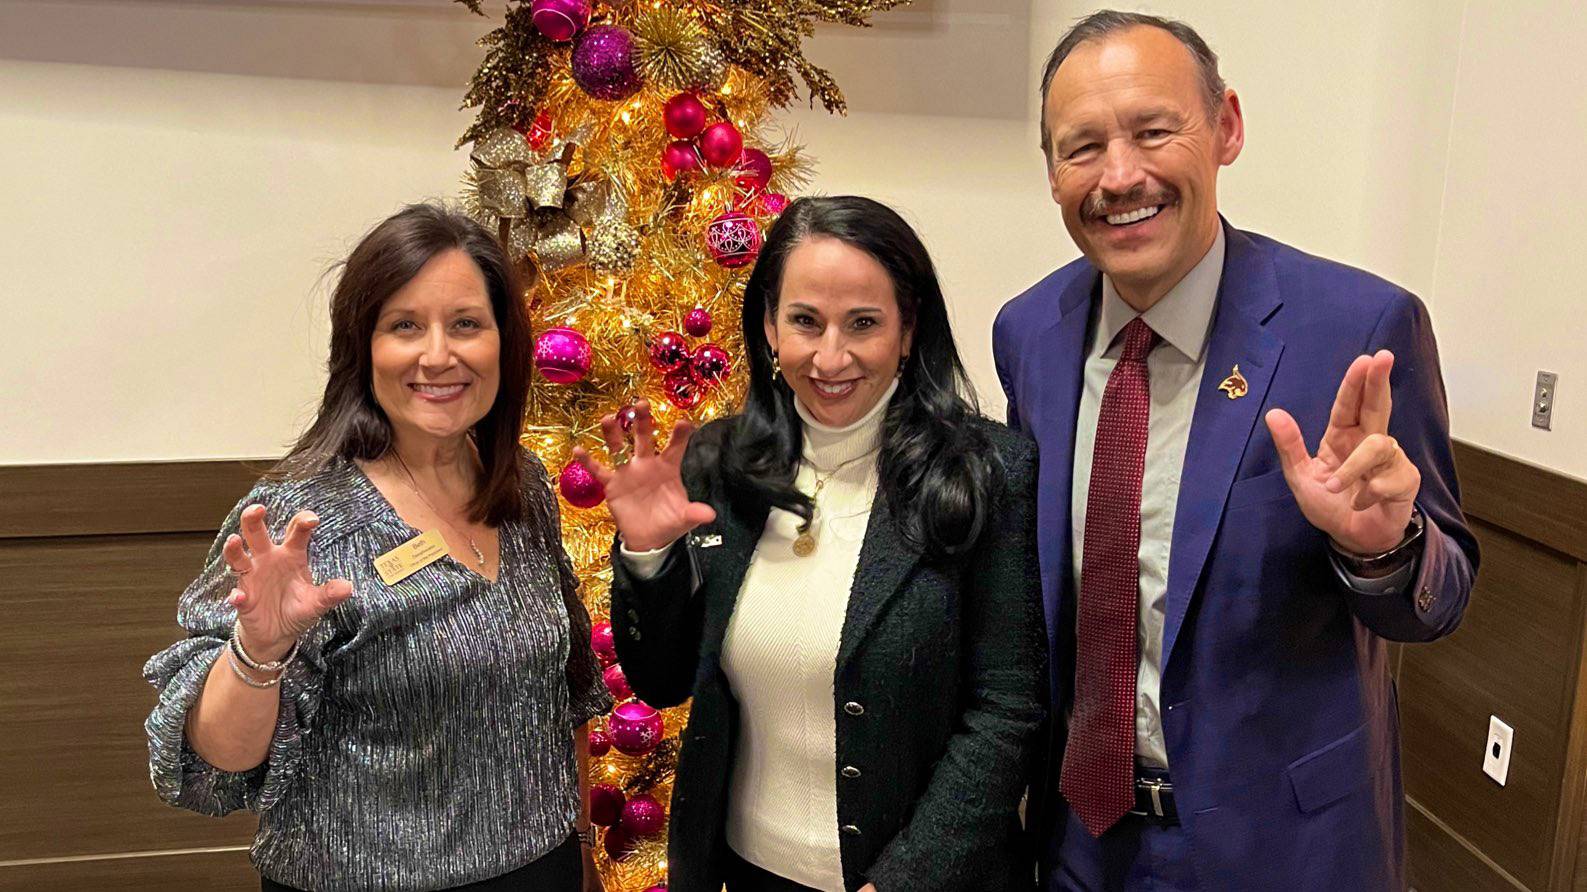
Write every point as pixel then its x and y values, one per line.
pixel 425 737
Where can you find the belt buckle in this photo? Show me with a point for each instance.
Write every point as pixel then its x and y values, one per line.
pixel 1155 787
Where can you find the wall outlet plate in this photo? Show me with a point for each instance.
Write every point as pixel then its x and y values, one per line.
pixel 1543 400
pixel 1496 752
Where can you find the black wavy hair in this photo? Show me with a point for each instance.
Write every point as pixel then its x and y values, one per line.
pixel 939 473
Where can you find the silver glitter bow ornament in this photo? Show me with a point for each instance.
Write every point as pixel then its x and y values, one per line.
pixel 528 191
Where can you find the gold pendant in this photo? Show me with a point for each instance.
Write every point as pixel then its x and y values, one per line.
pixel 805 545
pixel 1235 385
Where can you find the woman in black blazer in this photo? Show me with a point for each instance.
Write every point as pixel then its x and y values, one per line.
pixel 843 576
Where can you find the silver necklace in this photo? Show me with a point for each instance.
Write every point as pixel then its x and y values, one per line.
pixel 413 484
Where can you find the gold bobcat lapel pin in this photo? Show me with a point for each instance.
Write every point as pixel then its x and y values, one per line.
pixel 1235 385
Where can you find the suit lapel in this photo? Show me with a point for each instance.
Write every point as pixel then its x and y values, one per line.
pixel 1058 371
pixel 724 569
pixel 1220 428
pixel 886 558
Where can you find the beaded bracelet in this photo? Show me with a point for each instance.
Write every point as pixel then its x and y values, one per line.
pixel 273 666
pixel 231 660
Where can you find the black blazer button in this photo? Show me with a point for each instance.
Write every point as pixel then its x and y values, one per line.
pixel 853 708
pixel 849 771
pixel 851 830
pixel 634 634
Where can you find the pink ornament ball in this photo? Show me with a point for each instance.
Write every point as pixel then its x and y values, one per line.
pixel 657 889
pixel 600 743
pixel 560 20
pixel 668 351
pixel 733 239
pixel 712 363
pixel 774 203
pixel 604 645
pixel 636 728
pixel 617 683
pixel 643 815
pixel 685 116
pixel 579 486
pixel 603 63
pixel 697 322
pixel 627 417
pixel 606 804
pixel 619 843
pixel 679 158
pixel 721 144
pixel 755 170
pixel 684 387
pixel 562 355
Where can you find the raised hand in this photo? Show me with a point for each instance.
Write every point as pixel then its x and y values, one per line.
pixel 276 598
pixel 645 492
pixel 1360 487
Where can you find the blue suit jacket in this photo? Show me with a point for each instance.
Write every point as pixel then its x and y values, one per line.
pixel 1279 710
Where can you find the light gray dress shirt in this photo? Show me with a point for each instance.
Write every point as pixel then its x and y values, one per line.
pixel 1182 319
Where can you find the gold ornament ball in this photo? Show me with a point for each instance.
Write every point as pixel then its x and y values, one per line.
pixel 613 246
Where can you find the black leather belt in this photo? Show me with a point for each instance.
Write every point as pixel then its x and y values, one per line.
pixel 1154 800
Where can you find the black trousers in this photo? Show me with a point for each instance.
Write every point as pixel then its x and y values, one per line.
pixel 559 870
pixel 743 876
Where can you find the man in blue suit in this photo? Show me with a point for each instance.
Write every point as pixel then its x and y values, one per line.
pixel 1246 492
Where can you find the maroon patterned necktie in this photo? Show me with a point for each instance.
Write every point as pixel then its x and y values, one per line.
pixel 1098 776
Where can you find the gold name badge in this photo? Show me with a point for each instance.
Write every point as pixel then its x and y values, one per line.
pixel 410 557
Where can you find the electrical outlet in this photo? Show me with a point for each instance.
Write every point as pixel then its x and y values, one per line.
pixel 1496 752
pixel 1543 400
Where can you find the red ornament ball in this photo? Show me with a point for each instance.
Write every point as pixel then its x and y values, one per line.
pixel 733 239
pixel 712 363
pixel 636 728
pixel 643 815
pixel 626 418
pixel 721 144
pixel 560 20
pixel 679 158
pixel 539 133
pixel 774 203
pixel 562 355
pixel 755 170
pixel 619 843
pixel 579 486
pixel 606 804
pixel 685 116
pixel 697 322
pixel 668 351
pixel 617 683
pixel 603 643
pixel 600 743
pixel 683 387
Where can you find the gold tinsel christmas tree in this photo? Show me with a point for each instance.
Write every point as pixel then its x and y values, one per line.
pixel 625 155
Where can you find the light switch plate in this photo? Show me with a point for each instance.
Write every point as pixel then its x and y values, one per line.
pixel 1496 753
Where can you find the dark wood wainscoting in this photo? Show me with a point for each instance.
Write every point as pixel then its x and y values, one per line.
pixel 1518 655
pixel 92 558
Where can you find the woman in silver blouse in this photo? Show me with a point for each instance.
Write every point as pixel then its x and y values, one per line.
pixel 387 657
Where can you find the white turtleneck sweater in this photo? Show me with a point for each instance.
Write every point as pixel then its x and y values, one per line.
pixel 780 657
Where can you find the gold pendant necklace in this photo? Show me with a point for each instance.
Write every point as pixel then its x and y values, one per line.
pixel 413 484
pixel 804 544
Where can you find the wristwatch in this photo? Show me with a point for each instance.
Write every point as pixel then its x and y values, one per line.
pixel 1376 565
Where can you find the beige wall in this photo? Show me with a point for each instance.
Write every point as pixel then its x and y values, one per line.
pixel 169 213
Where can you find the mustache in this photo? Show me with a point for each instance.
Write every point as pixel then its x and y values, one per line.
pixel 1101 204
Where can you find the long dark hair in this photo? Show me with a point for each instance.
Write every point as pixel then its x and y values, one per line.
pixel 939 473
pixel 350 423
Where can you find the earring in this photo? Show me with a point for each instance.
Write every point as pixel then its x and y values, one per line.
pixel 902 361
pixel 776 367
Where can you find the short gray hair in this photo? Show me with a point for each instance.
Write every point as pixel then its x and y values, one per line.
pixel 1107 22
